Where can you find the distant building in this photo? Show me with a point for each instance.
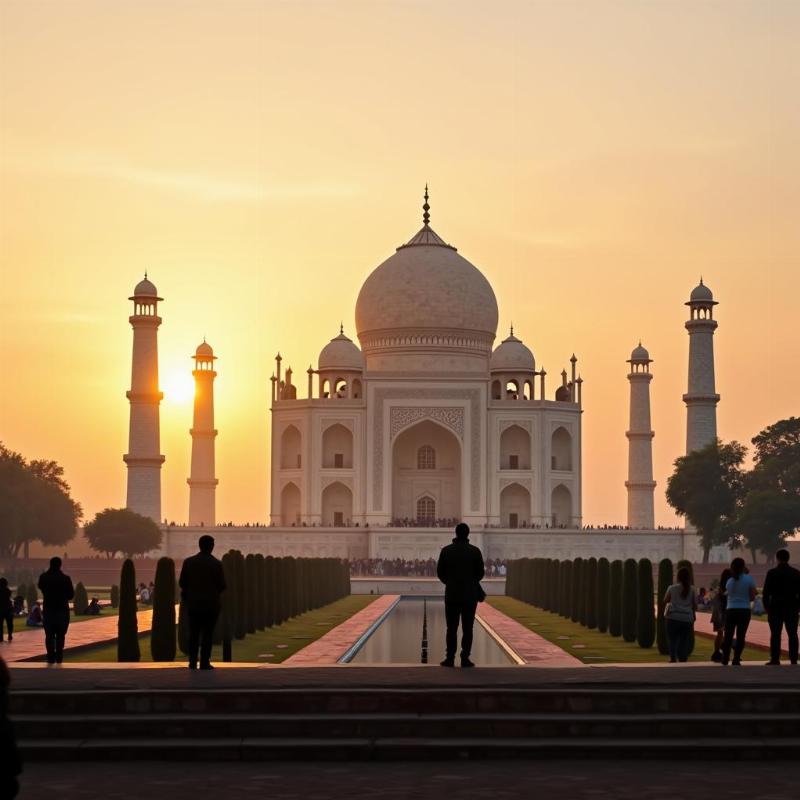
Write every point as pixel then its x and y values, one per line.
pixel 426 421
pixel 144 458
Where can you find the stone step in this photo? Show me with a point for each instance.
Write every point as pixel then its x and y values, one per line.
pixel 420 701
pixel 404 749
pixel 203 726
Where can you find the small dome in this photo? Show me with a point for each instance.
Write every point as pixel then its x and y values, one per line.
pixel 204 349
pixel 640 353
pixel 145 288
pixel 563 394
pixel 341 353
pixel 701 294
pixel 511 355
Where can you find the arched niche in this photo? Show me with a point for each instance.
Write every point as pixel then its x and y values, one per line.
pixel 337 505
pixel 290 505
pixel 515 506
pixel 561 449
pixel 561 506
pixel 291 448
pixel 426 510
pixel 442 483
pixel 497 390
pixel 356 389
pixel 337 447
pixel 515 448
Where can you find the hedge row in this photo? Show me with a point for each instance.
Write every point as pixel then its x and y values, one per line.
pixel 261 592
pixel 614 597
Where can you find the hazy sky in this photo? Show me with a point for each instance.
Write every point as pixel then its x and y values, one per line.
pixel 260 158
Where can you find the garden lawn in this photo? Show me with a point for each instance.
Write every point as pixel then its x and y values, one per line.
pixel 270 646
pixel 594 647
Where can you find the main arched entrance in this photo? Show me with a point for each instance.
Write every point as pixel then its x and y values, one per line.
pixel 426 475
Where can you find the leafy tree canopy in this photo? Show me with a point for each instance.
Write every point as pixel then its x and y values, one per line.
pixel 766 518
pixel 120 530
pixel 706 487
pixel 777 456
pixel 35 503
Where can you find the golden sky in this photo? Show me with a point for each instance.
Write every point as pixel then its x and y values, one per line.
pixel 260 158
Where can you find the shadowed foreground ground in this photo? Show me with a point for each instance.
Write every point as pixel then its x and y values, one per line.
pixel 495 780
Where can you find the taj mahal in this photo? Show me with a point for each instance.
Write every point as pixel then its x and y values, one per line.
pixel 423 423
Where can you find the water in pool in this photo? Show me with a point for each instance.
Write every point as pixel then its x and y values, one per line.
pixel 398 639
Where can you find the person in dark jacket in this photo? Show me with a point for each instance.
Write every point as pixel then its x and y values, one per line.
pixel 781 595
pixel 460 569
pixel 202 581
pixel 57 591
pixel 6 610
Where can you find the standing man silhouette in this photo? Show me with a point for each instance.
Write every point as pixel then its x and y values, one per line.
pixel 460 569
pixel 202 581
pixel 57 591
pixel 782 601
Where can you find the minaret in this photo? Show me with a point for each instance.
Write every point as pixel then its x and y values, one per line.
pixel 701 399
pixel 202 483
pixel 640 483
pixel 143 457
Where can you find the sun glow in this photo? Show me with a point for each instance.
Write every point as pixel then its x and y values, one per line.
pixel 179 388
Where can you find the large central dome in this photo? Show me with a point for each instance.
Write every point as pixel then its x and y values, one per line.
pixel 426 297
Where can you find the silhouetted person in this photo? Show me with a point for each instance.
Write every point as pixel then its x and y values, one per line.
pixel 6 610
pixel 782 602
pixel 460 569
pixel 202 581
pixel 57 591
pixel 741 591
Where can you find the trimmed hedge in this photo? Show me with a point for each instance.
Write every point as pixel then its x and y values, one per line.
pixel 576 599
pixel 31 596
pixel 81 600
pixel 162 632
pixel 630 600
pixel 601 593
pixel 590 594
pixel 645 621
pixel 240 630
pixel 665 578
pixel 127 624
pixel 615 598
pixel 115 596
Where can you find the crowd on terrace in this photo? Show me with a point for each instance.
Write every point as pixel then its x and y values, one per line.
pixel 417 568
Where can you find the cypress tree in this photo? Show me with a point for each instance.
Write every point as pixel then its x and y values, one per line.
pixel 227 632
pixel 576 599
pixel 162 632
pixel 261 610
pixel 566 599
pixel 555 585
pixel 290 587
pixel 630 604
pixel 115 596
pixel 269 593
pixel 601 593
pixel 250 590
pixel 590 593
pixel 31 596
pixel 664 582
pixel 240 630
pixel 127 624
pixel 615 598
pixel 645 620
pixel 688 564
pixel 81 600
pixel 278 591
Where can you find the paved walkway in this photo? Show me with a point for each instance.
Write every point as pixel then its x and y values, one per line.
pixel 529 646
pixel 29 643
pixel 757 632
pixel 328 649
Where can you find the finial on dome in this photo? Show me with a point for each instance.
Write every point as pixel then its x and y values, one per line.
pixel 426 217
pixel 341 328
pixel 512 328
pixel 145 276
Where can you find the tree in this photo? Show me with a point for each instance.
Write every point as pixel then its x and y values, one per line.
pixel 664 582
pixel 114 596
pixel 630 605
pixel 162 632
pixel 35 504
pixel 576 598
pixel 645 621
pixel 601 593
pixel 590 593
pixel 777 455
pixel 240 631
pixel 706 487
pixel 766 518
pixel 250 590
pixel 127 624
pixel 81 599
pixel 31 595
pixel 615 598
pixel 120 530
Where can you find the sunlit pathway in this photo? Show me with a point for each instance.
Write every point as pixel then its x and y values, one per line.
pixel 529 646
pixel 757 632
pixel 328 649
pixel 29 642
